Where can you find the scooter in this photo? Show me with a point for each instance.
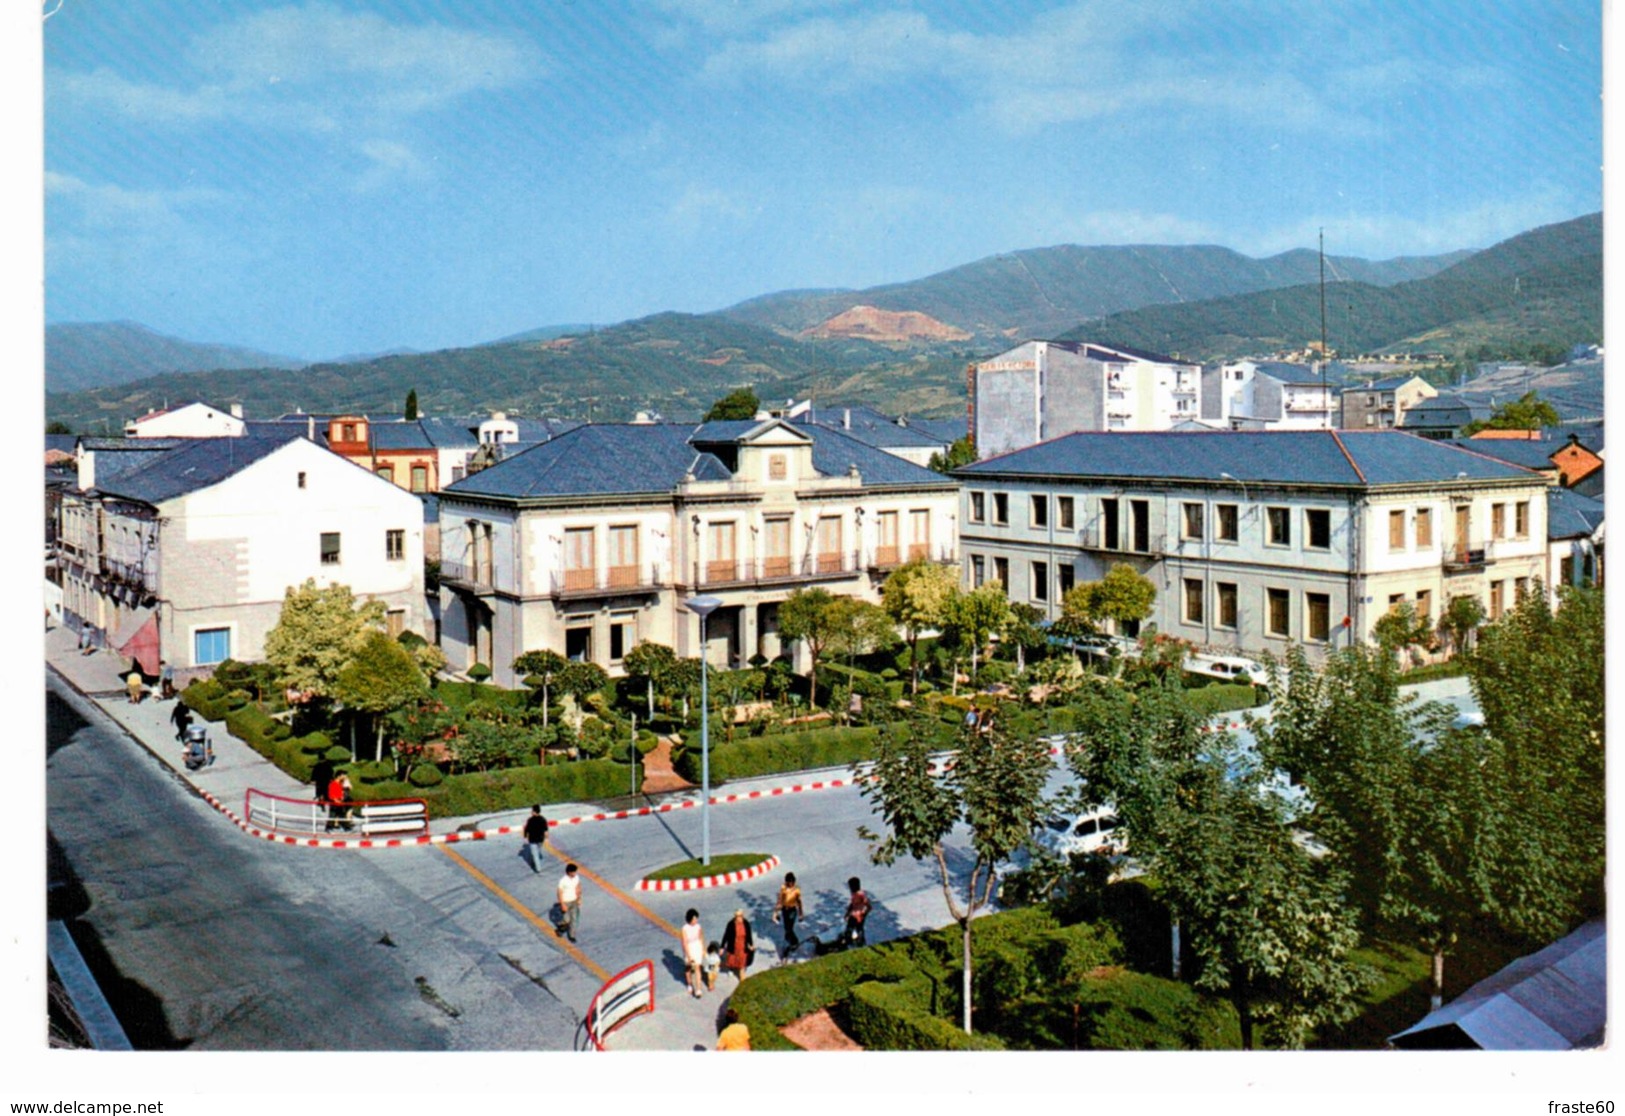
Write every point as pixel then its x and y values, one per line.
pixel 199 751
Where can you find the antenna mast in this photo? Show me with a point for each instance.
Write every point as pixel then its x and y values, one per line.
pixel 1324 394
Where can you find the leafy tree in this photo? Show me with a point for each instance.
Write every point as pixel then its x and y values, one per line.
pixel 580 680
pixel 1122 596
pixel 1461 618
pixel 538 669
pixel 807 616
pixel 58 428
pixel 1399 628
pixel 857 628
pixel 971 619
pixel 995 787
pixel 740 403
pixel 961 452
pixel 412 405
pixel 1528 412
pixel 380 678
pixel 1024 633
pixel 317 634
pixel 1267 923
pixel 916 597
pixel 655 663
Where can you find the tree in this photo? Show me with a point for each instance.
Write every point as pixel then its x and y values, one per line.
pixel 412 405
pixel 1267 923
pixel 995 787
pixel 1461 619
pixel 317 634
pixel 740 403
pixel 962 451
pixel 58 428
pixel 1025 632
pixel 1399 628
pixel 1528 412
pixel 1122 596
pixel 380 678
pixel 581 679
pixel 857 628
pixel 807 616
pixel 916 597
pixel 538 669
pixel 655 663
pixel 972 619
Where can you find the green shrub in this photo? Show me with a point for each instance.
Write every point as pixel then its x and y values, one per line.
pixel 1223 697
pixel 748 757
pixel 373 771
pixel 887 1015
pixel 425 774
pixel 479 672
pixel 513 788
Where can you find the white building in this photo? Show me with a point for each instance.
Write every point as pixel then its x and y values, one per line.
pixel 1268 395
pixel 185 553
pixel 1046 389
pixel 193 420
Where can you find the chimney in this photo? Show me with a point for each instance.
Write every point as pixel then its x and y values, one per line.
pixel 846 419
pixel 310 428
pixel 236 410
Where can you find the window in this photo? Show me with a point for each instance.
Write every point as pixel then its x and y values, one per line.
pixel 1317 524
pixel 580 563
pixel 211 645
pixel 919 533
pixel 777 563
pixel 1066 577
pixel 1226 520
pixel 1040 582
pixel 578 642
pixel 829 543
pixel 623 554
pixel 1110 528
pixel 394 545
pixel 1396 530
pixel 1001 571
pixel 347 432
pixel 1279 524
pixel 1140 524
pixel 301 480
pixel 1065 517
pixel 1318 618
pixel 1001 508
pixel 395 622
pixel 623 627
pixel 458 472
pixel 1191 524
pixel 1040 511
pixel 978 507
pixel 1424 528
pixel 1424 605
pixel 1278 612
pixel 1498 521
pixel 1565 570
pixel 387 472
pixel 978 571
pixel 778 466
pixel 420 478
pixel 1497 599
pixel 724 538
pixel 1520 519
pixel 1193 600
pixel 1225 592
pixel 330 548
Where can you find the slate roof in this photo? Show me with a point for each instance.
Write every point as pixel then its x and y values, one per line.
pixel 1314 457
pixel 947 431
pixel 191 465
pixel 1570 515
pixel 1294 373
pixel 1556 999
pixel 1514 451
pixel 399 436
pixel 871 426
pixel 1386 384
pixel 601 459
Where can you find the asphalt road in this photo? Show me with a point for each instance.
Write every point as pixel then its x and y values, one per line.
pixel 203 938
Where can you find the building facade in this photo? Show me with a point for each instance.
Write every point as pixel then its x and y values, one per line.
pixel 1255 541
pixel 186 554
pixel 588 544
pixel 1045 389
pixel 1382 404
pixel 1268 395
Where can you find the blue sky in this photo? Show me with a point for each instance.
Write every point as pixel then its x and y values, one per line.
pixel 334 178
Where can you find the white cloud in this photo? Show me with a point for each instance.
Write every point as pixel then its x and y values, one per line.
pixel 390 162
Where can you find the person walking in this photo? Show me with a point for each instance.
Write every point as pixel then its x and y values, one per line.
pixel 693 952
pixel 338 793
pixel 738 945
pixel 180 717
pixel 535 837
pixel 133 684
pixel 570 900
pixel 166 680
pixel 735 1035
pixel 788 910
pixel 857 913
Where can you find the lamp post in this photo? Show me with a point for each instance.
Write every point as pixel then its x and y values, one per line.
pixel 703 607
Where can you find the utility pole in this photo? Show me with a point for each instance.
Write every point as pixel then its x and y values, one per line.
pixel 1324 393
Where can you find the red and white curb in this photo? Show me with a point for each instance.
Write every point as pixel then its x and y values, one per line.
pixel 700 882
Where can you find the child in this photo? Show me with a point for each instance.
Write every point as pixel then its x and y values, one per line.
pixel 712 964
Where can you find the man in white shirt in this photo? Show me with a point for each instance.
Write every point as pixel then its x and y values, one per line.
pixel 570 900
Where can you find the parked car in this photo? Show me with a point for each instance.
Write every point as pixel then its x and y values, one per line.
pixel 1227 667
pixel 1091 831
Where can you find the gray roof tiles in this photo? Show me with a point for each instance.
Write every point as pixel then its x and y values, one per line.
pixel 1570 515
pixel 1313 457
pixel 192 465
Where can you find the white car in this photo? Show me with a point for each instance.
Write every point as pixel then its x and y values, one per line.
pixel 1091 831
pixel 1227 667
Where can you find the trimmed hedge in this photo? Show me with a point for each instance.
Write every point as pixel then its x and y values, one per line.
pixel 513 788
pixel 887 1015
pixel 1224 697
pixel 748 757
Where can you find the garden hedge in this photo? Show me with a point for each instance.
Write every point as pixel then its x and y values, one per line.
pixel 474 793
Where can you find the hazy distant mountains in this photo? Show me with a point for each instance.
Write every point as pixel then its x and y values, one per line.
pixel 903 347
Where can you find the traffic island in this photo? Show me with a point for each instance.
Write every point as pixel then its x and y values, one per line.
pixel 723 871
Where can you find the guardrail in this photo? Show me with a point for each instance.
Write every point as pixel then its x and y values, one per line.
pixel 627 994
pixel 279 814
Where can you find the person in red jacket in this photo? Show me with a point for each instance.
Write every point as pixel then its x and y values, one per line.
pixel 338 793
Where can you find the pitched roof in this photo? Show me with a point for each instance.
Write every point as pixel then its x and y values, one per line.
pixel 1318 457
pixel 191 465
pixel 1569 515
pixel 1514 451
pixel 869 425
pixel 399 435
pixel 636 458
pixel 1288 373
pixel 1556 999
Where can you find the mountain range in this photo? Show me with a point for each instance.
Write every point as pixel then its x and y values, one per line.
pixel 903 347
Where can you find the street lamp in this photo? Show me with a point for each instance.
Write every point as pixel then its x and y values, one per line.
pixel 702 607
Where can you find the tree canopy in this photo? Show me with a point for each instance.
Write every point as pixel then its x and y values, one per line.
pixel 317 634
pixel 916 597
pixel 962 451
pixel 381 677
pixel 1528 412
pixel 808 616
pixel 741 403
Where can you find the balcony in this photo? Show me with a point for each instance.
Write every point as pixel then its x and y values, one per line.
pixel 132 574
pixel 737 574
pixel 1462 560
pixel 471 576
pixel 613 581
